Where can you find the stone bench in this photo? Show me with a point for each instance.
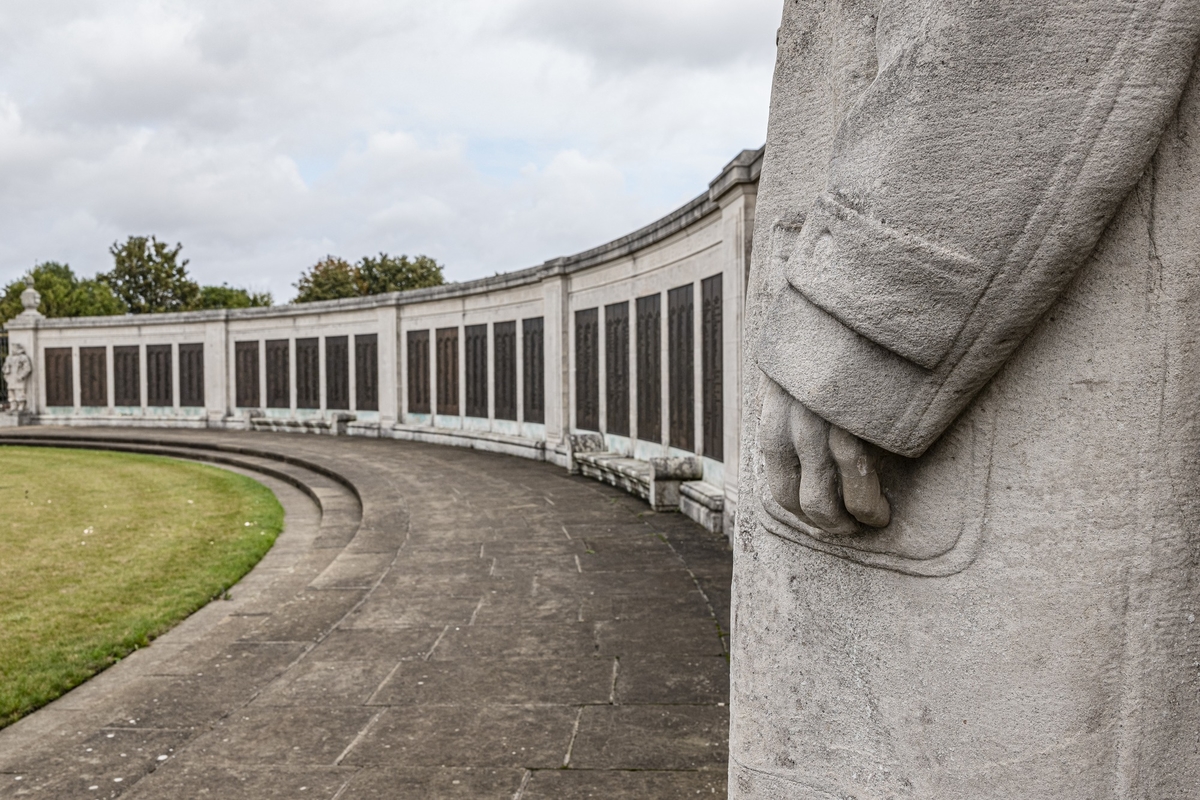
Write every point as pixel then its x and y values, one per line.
pixel 334 425
pixel 657 481
pixel 704 503
pixel 629 474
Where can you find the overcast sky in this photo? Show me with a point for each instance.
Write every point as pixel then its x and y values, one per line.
pixel 265 134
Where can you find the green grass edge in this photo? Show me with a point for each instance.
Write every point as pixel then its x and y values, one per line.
pixel 144 630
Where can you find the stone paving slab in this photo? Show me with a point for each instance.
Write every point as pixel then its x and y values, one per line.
pixel 623 785
pixel 444 624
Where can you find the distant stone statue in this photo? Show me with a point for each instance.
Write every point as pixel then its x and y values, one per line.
pixel 966 559
pixel 18 367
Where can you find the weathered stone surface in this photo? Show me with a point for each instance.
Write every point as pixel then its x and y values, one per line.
pixel 501 681
pixel 309 735
pixel 194 780
pixel 18 368
pixel 112 760
pixel 976 249
pixel 509 641
pixel 463 783
pixel 673 679
pixel 622 785
pixel 652 737
pixel 468 735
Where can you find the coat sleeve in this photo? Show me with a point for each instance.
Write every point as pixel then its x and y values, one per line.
pixel 968 183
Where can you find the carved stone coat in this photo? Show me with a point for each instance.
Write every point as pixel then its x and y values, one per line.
pixel 978 246
pixel 17 369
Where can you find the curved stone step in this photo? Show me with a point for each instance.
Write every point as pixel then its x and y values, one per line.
pixel 216 452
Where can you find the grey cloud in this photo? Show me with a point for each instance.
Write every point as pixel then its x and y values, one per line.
pixel 632 33
pixel 263 134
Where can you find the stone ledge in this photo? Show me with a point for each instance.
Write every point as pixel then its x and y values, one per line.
pixel 173 448
pixel 627 474
pixel 707 495
pixel 703 503
pixel 656 481
pixel 132 421
pixel 475 440
pixel 335 425
pixel 744 169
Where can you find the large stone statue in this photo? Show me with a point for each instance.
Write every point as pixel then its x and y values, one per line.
pixel 17 369
pixel 968 552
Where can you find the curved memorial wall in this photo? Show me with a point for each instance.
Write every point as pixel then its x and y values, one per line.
pixel 622 362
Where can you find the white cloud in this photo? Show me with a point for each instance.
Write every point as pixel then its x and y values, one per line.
pixel 264 134
pixel 629 34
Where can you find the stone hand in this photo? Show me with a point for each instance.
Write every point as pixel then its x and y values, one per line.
pixel 818 471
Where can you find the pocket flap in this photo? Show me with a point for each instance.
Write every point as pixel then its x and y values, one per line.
pixel 901 292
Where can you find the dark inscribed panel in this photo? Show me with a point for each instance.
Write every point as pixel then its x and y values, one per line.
pixel 587 369
pixel 279 378
pixel 616 362
pixel 159 392
pixel 504 335
pixel 308 373
pixel 245 369
pixel 191 375
pixel 127 376
pixel 712 374
pixel 60 386
pixel 366 372
pixel 93 377
pixel 649 368
pixel 3 355
pixel 447 371
pixel 477 370
pixel 681 395
pixel 534 363
pixel 337 373
pixel 418 372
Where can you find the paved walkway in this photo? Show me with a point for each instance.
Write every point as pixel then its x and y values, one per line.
pixel 433 623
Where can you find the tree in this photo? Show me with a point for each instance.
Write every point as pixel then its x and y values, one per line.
pixel 63 294
pixel 398 274
pixel 226 296
pixel 333 278
pixel 149 277
pixel 93 298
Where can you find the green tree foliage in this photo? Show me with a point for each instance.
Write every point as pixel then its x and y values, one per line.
pixel 333 278
pixel 63 294
pixel 398 274
pixel 149 277
pixel 226 296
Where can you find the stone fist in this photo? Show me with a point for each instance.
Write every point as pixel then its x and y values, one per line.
pixel 817 471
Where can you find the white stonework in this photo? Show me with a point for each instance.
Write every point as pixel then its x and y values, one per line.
pixel 17 369
pixel 706 237
pixel 977 249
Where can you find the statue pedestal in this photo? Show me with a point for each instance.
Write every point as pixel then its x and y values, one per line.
pixel 15 419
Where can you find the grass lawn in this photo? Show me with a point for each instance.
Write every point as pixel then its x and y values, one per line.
pixel 101 552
